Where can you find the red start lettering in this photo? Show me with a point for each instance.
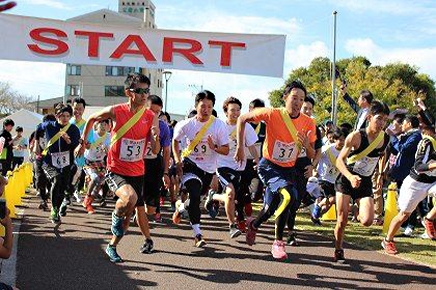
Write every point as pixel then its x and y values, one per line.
pixel 190 49
pixel 36 34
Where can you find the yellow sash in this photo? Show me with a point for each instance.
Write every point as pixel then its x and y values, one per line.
pixel 55 138
pixel 127 126
pixel 198 137
pixel 291 127
pixel 99 141
pixel 257 130
pixel 80 124
pixel 331 157
pixel 372 146
pixel 432 140
pixel 233 134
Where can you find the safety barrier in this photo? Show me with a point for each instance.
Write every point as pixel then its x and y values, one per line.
pixel 18 181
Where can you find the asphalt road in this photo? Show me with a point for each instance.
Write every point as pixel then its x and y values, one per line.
pixel 72 257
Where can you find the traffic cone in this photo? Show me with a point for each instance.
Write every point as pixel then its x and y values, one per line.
pixel 330 215
pixel 391 209
pixel 9 196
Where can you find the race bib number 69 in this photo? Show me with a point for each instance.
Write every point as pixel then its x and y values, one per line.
pixel 131 150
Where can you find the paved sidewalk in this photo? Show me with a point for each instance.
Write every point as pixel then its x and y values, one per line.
pixel 72 257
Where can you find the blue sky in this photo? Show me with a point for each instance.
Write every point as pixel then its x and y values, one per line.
pixel 383 31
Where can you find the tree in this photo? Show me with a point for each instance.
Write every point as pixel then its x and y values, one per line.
pixel 397 84
pixel 12 101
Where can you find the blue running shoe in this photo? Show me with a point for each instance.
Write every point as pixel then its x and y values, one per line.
pixel 117 225
pixel 113 255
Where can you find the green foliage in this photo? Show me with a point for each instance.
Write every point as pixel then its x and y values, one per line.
pixel 397 84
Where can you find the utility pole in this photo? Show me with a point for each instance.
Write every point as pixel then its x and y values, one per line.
pixel 37 104
pixel 334 96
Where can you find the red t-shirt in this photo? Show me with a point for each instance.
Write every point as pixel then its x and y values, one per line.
pixel 125 157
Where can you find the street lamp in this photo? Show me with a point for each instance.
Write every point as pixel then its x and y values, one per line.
pixel 167 75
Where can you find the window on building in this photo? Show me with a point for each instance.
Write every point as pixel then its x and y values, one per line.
pixel 120 70
pixel 73 90
pixel 114 91
pixel 74 70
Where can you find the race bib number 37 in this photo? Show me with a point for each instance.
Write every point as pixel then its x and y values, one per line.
pixel 284 152
pixel 131 150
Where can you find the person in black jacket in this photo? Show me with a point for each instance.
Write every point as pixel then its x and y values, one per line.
pixel 6 155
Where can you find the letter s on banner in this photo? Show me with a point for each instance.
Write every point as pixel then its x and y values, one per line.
pixel 35 34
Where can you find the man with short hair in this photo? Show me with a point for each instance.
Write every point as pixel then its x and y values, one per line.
pixel 287 132
pixel 229 171
pixel 206 137
pixel 20 144
pixel 156 162
pixel 134 123
pixel 6 155
pixel 357 162
pixel 361 107
pixel 58 157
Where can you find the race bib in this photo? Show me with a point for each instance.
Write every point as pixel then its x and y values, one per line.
pixel 132 150
pixel 201 151
pixel 232 144
pixel 366 166
pixel 302 152
pixel 148 153
pixel 60 159
pixel 330 172
pixel 284 152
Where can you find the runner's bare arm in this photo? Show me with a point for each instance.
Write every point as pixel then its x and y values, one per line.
pixel 154 135
pixel 352 141
pixel 254 153
pixel 240 133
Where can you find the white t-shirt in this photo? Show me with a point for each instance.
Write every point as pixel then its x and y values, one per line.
pixel 202 155
pixel 250 139
pixel 97 153
pixel 326 170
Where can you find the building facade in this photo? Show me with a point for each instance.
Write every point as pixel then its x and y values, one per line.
pixel 104 85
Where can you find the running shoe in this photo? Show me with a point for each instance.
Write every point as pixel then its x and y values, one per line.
pixel 389 247
pixel 54 217
pixel 113 255
pixel 315 221
pixel 117 225
pixel 292 239
pixel 199 241
pixel 250 236
pixel 147 248
pixel 90 209
pixel 63 208
pixel 67 200
pixel 209 204
pixel 157 217
pixel 430 229
pixel 316 212
pixel 78 197
pixel 176 215
pixel 234 231
pixel 242 226
pixel 162 201
pixel 339 256
pixel 408 231
pixel 278 250
pixel 43 205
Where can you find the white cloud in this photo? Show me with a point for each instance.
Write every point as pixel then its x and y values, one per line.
pixel 424 58
pixel 304 54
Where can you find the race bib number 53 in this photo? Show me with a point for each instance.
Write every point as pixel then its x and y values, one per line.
pixel 284 152
pixel 131 150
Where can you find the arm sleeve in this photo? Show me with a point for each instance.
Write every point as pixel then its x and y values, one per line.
pixel 422 156
pixel 409 146
pixel 250 135
pixel 165 141
pixel 75 136
pixel 262 114
pixel 223 135
pixel 351 102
